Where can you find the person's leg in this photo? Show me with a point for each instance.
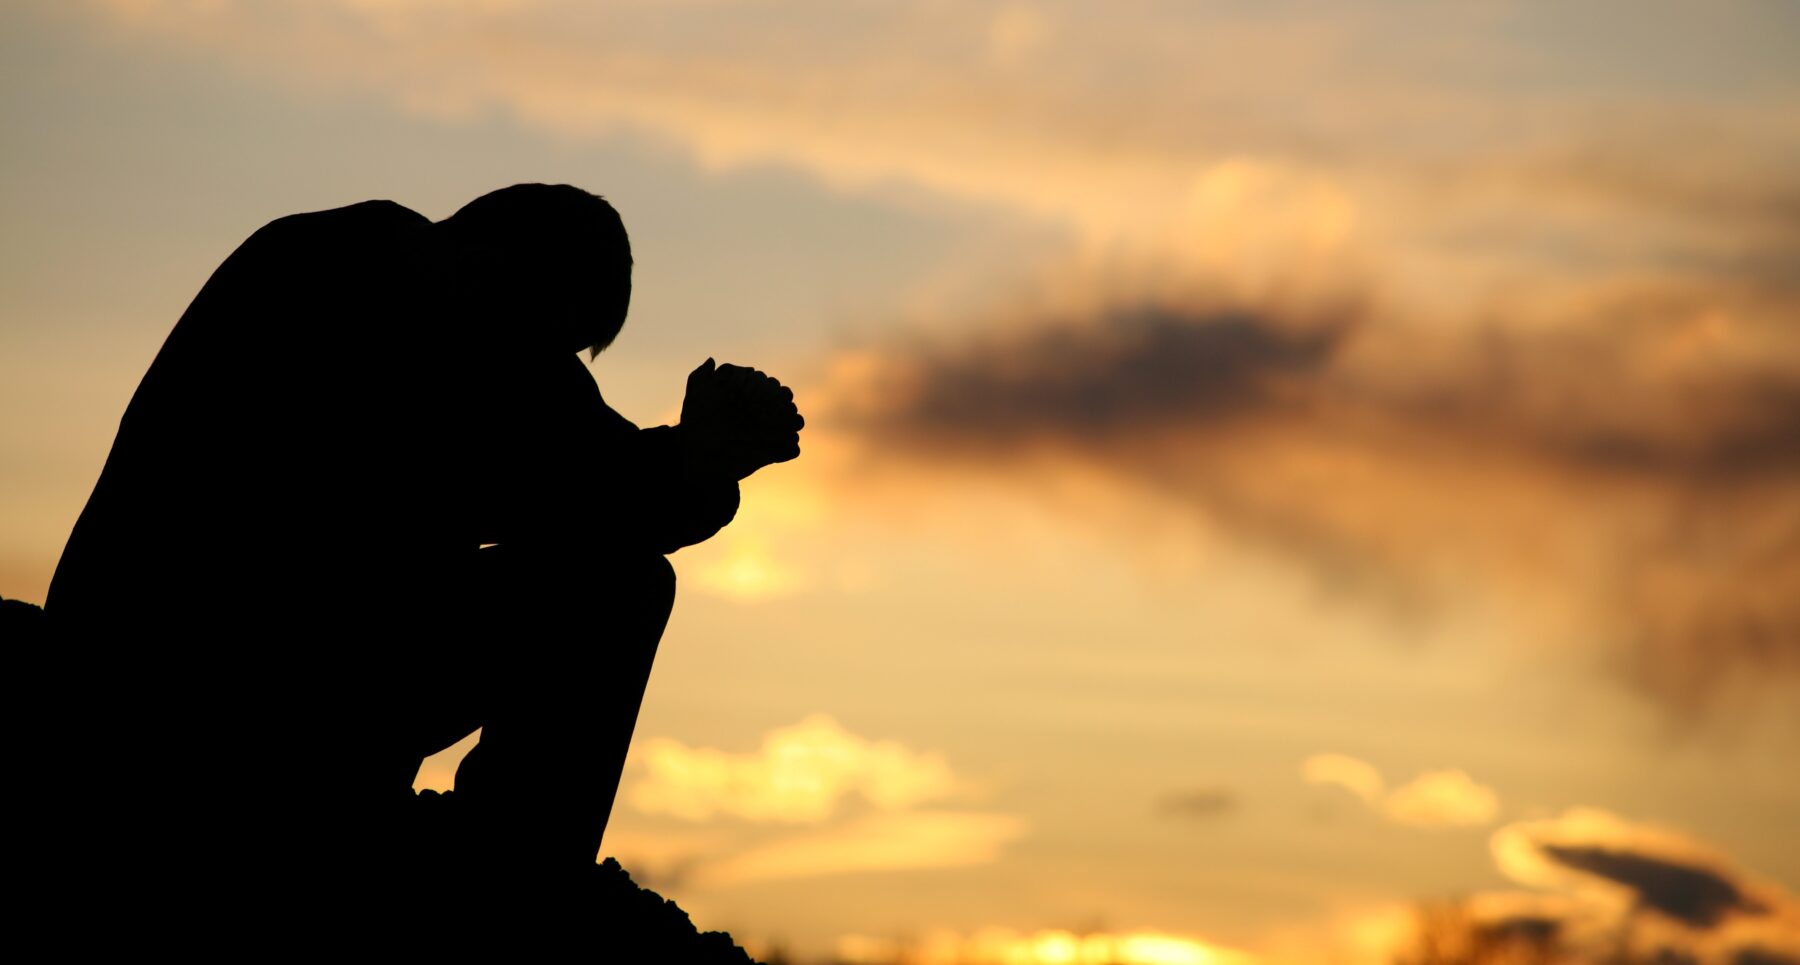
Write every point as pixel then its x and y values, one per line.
pixel 569 640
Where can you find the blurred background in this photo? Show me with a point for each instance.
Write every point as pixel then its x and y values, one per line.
pixel 1284 482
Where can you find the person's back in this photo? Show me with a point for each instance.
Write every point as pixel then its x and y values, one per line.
pixel 292 349
pixel 262 518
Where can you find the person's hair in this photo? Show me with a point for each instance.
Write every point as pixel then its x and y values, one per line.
pixel 567 248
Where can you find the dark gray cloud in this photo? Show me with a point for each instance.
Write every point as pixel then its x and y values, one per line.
pixel 1762 956
pixel 1634 460
pixel 1464 932
pixel 1565 399
pixel 1683 901
pixel 1146 368
pixel 1698 897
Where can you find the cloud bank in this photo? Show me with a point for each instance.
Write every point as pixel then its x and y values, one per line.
pixel 1630 470
pixel 1020 107
pixel 862 802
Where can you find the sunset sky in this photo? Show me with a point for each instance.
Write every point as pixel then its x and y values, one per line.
pixel 1268 464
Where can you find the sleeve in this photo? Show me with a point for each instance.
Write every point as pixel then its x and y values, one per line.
pixel 681 509
pixel 563 465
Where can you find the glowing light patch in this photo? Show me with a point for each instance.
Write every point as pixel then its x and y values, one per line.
pixel 998 946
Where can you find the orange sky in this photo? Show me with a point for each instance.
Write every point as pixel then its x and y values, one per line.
pixel 1268 464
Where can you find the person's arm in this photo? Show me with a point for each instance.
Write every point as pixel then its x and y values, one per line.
pixel 680 501
pixel 559 464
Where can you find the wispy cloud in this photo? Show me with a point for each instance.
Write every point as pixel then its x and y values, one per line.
pixel 870 806
pixel 1651 436
pixel 1019 106
pixel 1433 799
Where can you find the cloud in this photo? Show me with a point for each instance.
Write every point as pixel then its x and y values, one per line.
pixel 1148 369
pixel 1112 123
pixel 862 798
pixel 1359 777
pixel 1505 927
pixel 1648 433
pixel 881 841
pixel 1198 803
pixel 1616 884
pixel 1693 895
pixel 800 775
pixel 1129 126
pixel 1434 799
pixel 1442 799
pixel 1614 892
pixel 1593 852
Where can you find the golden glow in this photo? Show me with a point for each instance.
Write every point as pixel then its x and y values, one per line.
pixel 999 946
pixel 745 571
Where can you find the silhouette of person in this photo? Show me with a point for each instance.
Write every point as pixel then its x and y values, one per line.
pixel 367 499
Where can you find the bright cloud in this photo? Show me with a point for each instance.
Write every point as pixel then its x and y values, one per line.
pixel 1441 799
pixel 807 773
pixel 1434 799
pixel 1357 776
pixel 1615 889
pixel 1597 855
pixel 799 775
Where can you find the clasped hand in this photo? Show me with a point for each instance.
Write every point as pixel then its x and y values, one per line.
pixel 736 420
